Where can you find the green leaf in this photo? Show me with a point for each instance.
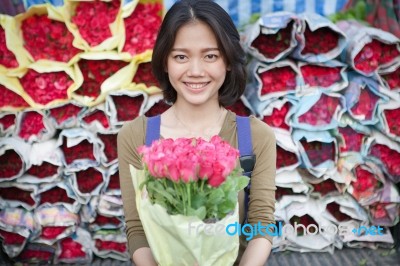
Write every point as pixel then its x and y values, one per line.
pixel 198 200
pixel 158 189
pixel 243 181
pixel 199 213
pixel 216 196
pixel 225 208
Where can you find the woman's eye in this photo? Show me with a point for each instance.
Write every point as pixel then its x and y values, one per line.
pixel 211 57
pixel 180 57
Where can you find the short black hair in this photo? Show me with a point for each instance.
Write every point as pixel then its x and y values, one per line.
pixel 209 12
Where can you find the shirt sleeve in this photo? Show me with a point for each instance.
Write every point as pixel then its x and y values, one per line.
pixel 130 137
pixel 262 191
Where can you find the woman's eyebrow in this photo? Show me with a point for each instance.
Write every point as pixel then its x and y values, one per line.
pixel 186 50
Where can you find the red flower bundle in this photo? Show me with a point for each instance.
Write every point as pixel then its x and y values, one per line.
pixel 352 139
pixel 114 181
pixel 321 113
pixel 127 107
pixel 282 191
pixel 305 220
pixel 378 210
pixel 144 75
pixel 157 109
pixel 46 87
pixel 110 245
pixel 7 121
pixel 334 209
pixel 285 158
pixel 7 58
pixel 141 28
pixel 10 238
pixel 278 79
pixel 54 195
pixel 88 180
pixel 17 194
pixel 320 76
pixel 389 158
pixel 318 152
pixel 366 183
pixel 110 146
pixel 31 124
pixel 10 98
pixel 95 72
pixel 239 108
pixel 99 116
pixel 71 249
pixel 83 150
pixel 366 104
pixel 35 256
pixel 93 19
pixel 374 54
pixel 51 232
pixel 392 119
pixel 320 41
pixel 392 79
pixel 44 170
pixel 271 45
pixel 47 39
pixel 65 112
pixel 104 220
pixel 10 164
pixel 278 116
pixel 325 187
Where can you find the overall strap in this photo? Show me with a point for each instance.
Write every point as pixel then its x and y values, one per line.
pixel 153 129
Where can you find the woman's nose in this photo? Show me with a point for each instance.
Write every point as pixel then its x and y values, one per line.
pixel 196 68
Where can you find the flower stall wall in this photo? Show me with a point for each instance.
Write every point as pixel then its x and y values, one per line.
pixel 332 100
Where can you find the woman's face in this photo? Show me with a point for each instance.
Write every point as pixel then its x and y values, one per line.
pixel 196 67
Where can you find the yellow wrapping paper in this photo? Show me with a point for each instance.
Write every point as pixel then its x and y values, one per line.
pixel 172 243
pixel 120 79
pixel 12 84
pixel 45 66
pixel 116 28
pixel 14 43
pixel 53 13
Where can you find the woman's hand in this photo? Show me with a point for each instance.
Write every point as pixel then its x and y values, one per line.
pixel 143 257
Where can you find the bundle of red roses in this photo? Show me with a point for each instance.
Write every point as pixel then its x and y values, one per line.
pixel 48 39
pixel 285 158
pixel 305 220
pixel 65 112
pixel 51 232
pixel 83 150
pixel 325 187
pixel 110 146
pixel 71 250
pixel 93 19
pixel 352 140
pixel 334 209
pixel 319 41
pixel 44 88
pixel 366 184
pixel 390 158
pixel 14 193
pixel 127 107
pixel 282 191
pixel 37 254
pixel 320 76
pixel 114 182
pixel 374 54
pixel 141 28
pixel 31 124
pixel 392 117
pixel 7 58
pixel 44 170
pixel 10 99
pixel 55 195
pixel 6 122
pixel 366 104
pixel 145 75
pixel 318 152
pixel 103 245
pixel 239 108
pixel 321 113
pixel 157 108
pixel 10 164
pixel 11 238
pixel 105 221
pixel 392 79
pixel 99 116
pixel 278 117
pixel 278 79
pixel 88 180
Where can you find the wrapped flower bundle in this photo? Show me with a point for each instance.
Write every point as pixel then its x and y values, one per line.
pixel 189 181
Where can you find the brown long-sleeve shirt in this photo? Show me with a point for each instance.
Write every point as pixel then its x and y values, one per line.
pixel 262 192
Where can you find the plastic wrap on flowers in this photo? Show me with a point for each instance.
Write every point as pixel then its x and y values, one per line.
pixel 65 115
pixel 386 153
pixel 142 19
pixel 318 151
pixel 13 241
pixel 108 142
pixel 45 163
pixel 95 119
pixel 389 78
pixel 14 158
pixel 10 46
pixel 106 222
pixel 37 254
pixel 319 40
pixel 308 214
pixel 81 148
pixel 322 187
pixel 110 244
pixel 16 194
pixel 7 124
pixel 110 205
pixel 45 36
pixel 330 76
pixel 56 223
pixel 46 84
pixel 287 153
pixel 96 25
pixel 13 97
pixel 318 111
pixel 363 96
pixel 272 37
pixel 59 194
pixel 369 49
pixel 277 113
pixel 389 114
pixel 76 248
pixel 123 106
pixel 385 214
pixel 33 126
pixel 88 212
pixel 144 79
pixel 18 221
pixel 275 80
pixel 86 183
pixel 155 105
pixel 112 186
pixel 290 182
pixel 102 72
